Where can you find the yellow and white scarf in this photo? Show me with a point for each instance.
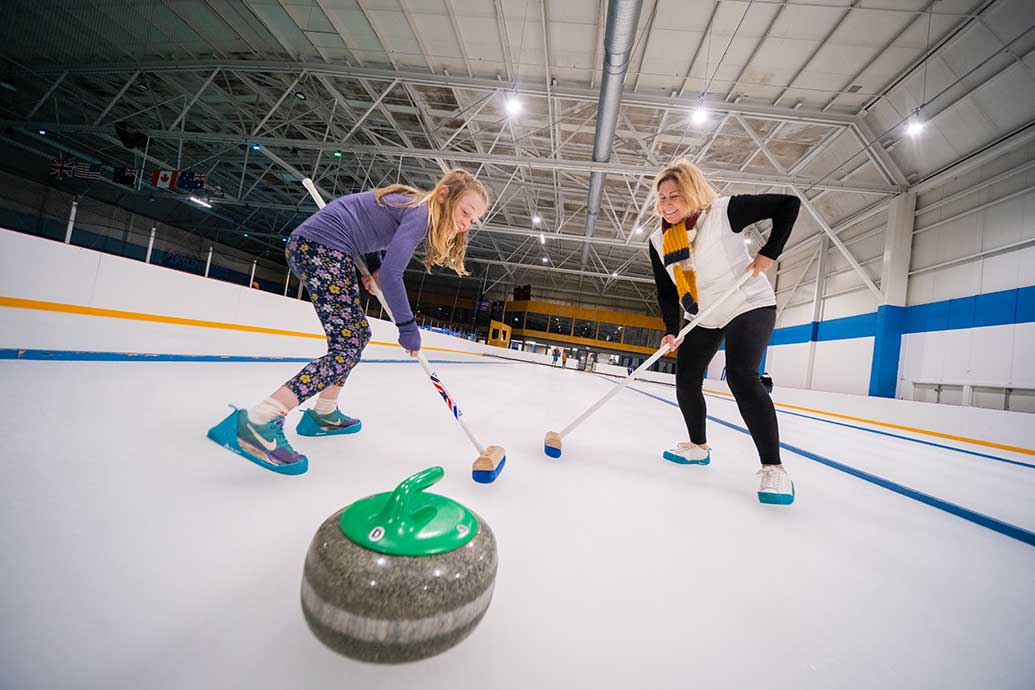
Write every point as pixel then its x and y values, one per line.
pixel 678 252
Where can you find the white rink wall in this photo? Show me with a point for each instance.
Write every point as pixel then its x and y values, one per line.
pixel 43 270
pixel 32 268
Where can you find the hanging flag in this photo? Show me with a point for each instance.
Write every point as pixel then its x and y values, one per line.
pixel 62 167
pixel 191 181
pixel 185 180
pixel 164 179
pixel 87 171
pixel 127 176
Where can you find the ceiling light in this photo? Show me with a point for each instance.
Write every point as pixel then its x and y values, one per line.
pixel 299 95
pixel 513 106
pixel 545 259
pixel 638 229
pixel 202 202
pixel 41 132
pixel 915 126
pixel 255 147
pixel 542 238
pixel 700 115
pixel 537 219
pixel 615 274
pixel 337 154
pixel 7 86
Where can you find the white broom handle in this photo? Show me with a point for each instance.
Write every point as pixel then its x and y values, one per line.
pixel 315 193
pixel 656 356
pixel 454 408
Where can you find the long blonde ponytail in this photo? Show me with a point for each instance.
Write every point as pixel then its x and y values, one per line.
pixel 441 247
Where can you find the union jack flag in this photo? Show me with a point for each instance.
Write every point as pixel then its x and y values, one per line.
pixel 445 396
pixel 62 167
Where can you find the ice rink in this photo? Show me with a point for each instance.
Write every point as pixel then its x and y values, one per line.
pixel 138 554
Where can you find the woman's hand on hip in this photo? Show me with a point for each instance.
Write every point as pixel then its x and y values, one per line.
pixel 760 264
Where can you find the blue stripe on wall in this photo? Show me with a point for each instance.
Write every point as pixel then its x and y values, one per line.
pixel 887 344
pixel 995 308
pixel 992 309
pixel 791 335
pixel 889 323
pixel 860 326
pixel 1025 305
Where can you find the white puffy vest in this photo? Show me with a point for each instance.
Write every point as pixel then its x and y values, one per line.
pixel 721 256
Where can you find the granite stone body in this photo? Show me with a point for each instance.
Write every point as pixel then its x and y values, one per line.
pixel 389 609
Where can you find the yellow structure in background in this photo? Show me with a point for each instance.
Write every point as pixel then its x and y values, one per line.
pixel 603 328
pixel 499 334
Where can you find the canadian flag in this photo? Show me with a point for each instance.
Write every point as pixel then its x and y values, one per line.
pixel 164 179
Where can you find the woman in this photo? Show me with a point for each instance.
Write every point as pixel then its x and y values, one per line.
pixel 698 254
pixel 396 220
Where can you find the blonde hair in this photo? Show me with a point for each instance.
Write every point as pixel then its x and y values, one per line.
pixel 699 195
pixel 441 247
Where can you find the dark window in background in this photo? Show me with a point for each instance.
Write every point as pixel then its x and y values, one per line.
pixel 560 325
pixel 536 322
pixel 515 319
pixel 610 332
pixel 634 335
pixel 585 329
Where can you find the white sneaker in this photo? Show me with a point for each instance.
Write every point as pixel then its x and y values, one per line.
pixel 688 454
pixel 776 486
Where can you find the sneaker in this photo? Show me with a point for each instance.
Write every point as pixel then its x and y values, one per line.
pixel 315 424
pixel 263 444
pixel 688 454
pixel 776 486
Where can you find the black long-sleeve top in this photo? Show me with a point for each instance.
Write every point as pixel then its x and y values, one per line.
pixel 742 211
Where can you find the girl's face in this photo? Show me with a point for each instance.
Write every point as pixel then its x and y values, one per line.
pixel 671 203
pixel 468 210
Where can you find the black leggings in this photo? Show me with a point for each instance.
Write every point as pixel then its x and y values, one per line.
pixel 746 339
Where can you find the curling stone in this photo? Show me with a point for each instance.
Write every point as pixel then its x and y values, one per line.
pixel 399 576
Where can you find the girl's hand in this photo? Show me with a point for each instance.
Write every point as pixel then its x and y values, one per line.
pixel 759 265
pixel 671 341
pixel 370 281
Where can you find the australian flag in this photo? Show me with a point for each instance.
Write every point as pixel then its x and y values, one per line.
pixel 191 181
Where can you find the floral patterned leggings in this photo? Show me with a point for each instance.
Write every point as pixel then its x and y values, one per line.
pixel 330 277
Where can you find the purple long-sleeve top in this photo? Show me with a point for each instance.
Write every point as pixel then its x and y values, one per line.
pixel 357 225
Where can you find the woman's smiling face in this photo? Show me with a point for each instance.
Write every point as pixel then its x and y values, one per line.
pixel 671 204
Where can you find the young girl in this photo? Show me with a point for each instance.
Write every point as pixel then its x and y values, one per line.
pixel 394 219
pixel 697 255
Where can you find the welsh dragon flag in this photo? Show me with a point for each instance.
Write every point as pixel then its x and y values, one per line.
pixel 164 179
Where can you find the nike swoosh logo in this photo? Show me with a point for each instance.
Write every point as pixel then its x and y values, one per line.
pixel 268 445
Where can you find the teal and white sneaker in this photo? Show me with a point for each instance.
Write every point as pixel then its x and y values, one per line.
pixel 315 424
pixel 776 486
pixel 686 453
pixel 263 444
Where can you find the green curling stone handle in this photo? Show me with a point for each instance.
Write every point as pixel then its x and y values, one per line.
pixel 395 511
pixel 410 521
